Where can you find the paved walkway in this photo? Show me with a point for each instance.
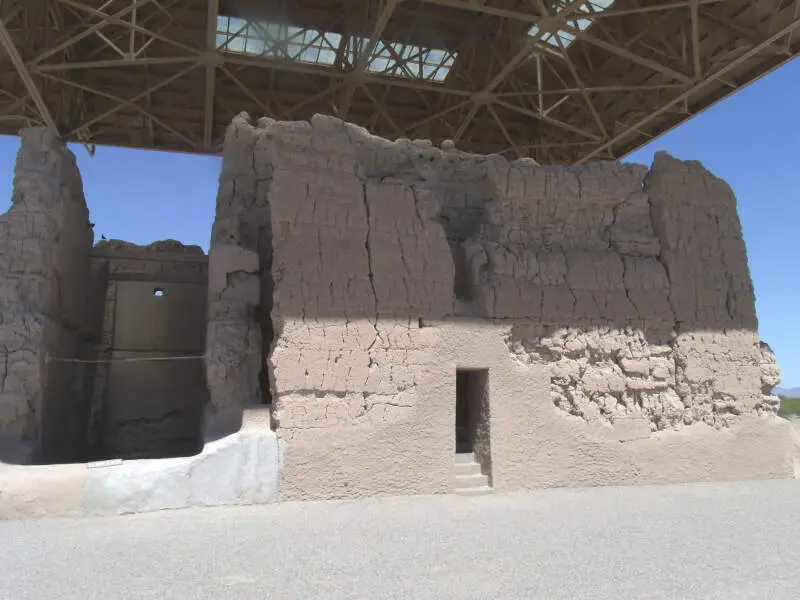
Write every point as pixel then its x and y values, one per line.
pixel 708 541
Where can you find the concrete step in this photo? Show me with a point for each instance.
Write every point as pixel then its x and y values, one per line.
pixel 478 491
pixel 472 468
pixel 471 481
pixel 464 457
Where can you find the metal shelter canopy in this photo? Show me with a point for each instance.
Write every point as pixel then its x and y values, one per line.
pixel 560 81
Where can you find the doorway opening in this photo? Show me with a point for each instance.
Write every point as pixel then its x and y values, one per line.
pixel 472 411
pixel 473 467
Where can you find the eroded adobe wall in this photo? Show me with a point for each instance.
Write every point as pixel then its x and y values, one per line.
pixel 358 266
pixel 361 268
pixel 536 444
pixel 637 285
pixel 393 264
pixel 45 242
pixel 150 389
pixel 240 287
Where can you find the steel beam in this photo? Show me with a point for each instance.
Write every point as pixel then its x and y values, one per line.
pixel 740 31
pixel 129 103
pixel 22 70
pixel 150 37
pixel 383 14
pixel 627 54
pixel 112 64
pixel 784 31
pixel 10 9
pixel 546 119
pixel 534 18
pixel 293 67
pixel 89 30
pixel 211 73
pixel 694 10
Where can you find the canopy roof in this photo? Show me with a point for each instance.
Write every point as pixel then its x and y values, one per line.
pixel 560 81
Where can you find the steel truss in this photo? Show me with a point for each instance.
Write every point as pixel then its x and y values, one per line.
pixel 557 80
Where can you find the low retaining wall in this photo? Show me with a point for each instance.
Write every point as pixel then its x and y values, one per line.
pixel 795 421
pixel 241 468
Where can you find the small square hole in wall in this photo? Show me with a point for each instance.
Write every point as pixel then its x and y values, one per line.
pixel 158 292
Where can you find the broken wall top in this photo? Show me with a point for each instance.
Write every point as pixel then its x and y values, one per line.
pixel 602 242
pixel 45 242
pixel 631 284
pixel 167 246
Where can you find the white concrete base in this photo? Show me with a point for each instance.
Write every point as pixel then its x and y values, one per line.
pixel 795 421
pixel 241 468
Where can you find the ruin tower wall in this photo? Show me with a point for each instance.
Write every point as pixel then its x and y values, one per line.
pixel 393 264
pixel 239 258
pixel 45 244
pixel 632 285
pixel 148 390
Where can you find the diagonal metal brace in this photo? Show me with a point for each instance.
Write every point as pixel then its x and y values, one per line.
pixel 25 75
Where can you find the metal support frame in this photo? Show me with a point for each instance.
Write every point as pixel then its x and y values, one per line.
pixel 694 89
pixel 384 11
pixel 22 70
pixel 533 18
pixel 555 83
pixel 211 73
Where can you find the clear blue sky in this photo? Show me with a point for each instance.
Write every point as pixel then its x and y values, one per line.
pixel 751 140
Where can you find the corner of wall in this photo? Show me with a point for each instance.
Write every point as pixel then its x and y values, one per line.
pixel 46 241
pixel 239 329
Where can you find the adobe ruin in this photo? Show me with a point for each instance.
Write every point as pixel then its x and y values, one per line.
pixel 578 325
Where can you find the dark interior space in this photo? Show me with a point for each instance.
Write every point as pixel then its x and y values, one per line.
pixel 463 441
pixel 472 411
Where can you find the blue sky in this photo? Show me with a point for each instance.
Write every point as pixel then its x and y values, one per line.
pixel 751 140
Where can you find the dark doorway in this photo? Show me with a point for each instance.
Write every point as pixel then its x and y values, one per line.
pixel 463 442
pixel 472 410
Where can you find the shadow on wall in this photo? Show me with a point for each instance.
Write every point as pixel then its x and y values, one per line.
pixel 630 284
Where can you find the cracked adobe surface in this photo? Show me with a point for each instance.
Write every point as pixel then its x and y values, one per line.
pixel 597 296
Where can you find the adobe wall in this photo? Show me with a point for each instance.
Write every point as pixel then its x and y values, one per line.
pixel 149 397
pixel 612 306
pixel 637 285
pixel 238 332
pixel 45 242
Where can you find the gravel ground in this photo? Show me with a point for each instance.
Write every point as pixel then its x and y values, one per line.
pixel 708 541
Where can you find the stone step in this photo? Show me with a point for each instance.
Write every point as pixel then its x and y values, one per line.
pixel 472 468
pixel 471 481
pixel 478 491
pixel 464 457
